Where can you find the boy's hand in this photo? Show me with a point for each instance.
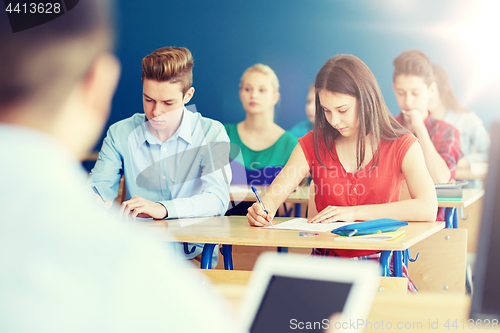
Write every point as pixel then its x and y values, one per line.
pixel 107 204
pixel 413 120
pixel 140 207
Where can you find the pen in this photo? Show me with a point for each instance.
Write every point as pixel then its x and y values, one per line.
pixel 260 201
pixel 98 193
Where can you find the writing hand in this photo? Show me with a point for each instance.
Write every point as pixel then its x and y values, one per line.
pixel 140 207
pixel 257 217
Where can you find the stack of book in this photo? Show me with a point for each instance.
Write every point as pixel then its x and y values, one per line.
pixel 450 191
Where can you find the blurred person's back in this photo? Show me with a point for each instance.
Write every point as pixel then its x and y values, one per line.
pixel 66 266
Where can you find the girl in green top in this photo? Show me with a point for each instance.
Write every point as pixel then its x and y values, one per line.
pixel 264 146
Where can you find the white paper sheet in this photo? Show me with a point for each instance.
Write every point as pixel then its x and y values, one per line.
pixel 301 224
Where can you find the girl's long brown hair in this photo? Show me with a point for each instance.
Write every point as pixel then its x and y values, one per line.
pixel 348 75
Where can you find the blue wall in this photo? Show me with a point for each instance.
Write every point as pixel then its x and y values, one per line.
pixel 293 37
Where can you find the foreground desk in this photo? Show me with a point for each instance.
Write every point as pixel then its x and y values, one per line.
pixel 470 196
pixel 394 312
pixel 235 230
pixel 392 309
pixel 392 285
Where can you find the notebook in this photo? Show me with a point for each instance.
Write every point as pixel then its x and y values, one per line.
pixel 450 190
pixel 293 292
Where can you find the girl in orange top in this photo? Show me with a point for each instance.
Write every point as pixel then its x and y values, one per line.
pixel 358 156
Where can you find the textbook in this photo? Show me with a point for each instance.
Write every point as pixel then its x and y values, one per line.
pixel 457 192
pixel 450 198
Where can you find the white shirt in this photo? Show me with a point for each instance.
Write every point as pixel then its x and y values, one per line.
pixel 65 266
pixel 474 139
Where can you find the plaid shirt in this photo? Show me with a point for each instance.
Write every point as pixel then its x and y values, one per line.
pixel 446 140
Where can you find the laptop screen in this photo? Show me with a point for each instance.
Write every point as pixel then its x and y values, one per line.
pixel 486 294
pixel 291 304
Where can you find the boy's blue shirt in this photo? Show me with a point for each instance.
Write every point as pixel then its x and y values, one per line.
pixel 188 174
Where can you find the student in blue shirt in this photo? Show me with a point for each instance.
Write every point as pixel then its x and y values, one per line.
pixel 175 162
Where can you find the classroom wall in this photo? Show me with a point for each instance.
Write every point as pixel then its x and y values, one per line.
pixel 295 38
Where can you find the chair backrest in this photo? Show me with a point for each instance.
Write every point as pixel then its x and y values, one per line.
pixel 122 190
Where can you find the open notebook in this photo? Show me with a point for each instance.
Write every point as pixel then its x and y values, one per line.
pixel 291 292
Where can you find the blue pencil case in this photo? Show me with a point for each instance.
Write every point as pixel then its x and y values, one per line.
pixel 369 227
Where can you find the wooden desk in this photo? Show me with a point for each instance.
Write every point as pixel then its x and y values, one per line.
pixel 235 230
pixel 390 305
pixel 466 173
pixel 220 276
pixel 91 156
pixel 470 197
pixel 413 313
pixel 448 248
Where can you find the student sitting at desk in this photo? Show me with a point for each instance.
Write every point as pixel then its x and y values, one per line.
pixel 358 156
pixel 474 139
pixel 265 147
pixel 175 162
pixel 300 129
pixel 413 84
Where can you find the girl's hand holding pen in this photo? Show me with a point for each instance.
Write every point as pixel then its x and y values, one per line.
pixel 257 217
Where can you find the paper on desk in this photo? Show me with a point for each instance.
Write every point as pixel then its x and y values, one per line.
pixel 301 224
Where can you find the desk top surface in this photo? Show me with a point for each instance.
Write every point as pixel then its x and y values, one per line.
pixel 467 172
pixel 235 230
